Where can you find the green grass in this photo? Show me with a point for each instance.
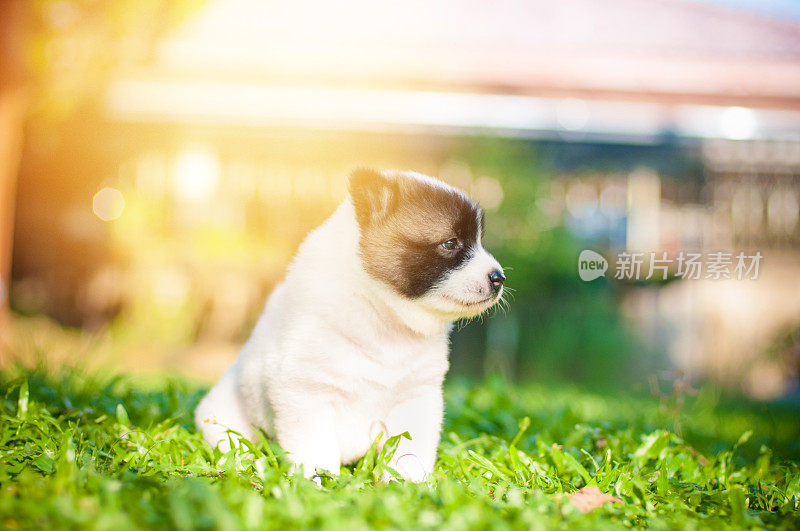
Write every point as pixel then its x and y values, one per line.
pixel 118 453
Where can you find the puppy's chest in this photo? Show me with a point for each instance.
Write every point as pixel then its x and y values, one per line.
pixel 395 366
pixel 377 386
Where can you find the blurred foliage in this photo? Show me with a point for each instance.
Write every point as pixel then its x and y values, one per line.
pixel 74 45
pixel 784 352
pixel 567 329
pixel 85 450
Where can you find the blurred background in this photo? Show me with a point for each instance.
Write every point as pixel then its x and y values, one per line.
pixel 160 161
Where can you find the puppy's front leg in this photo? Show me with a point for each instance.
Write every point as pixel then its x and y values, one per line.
pixel 421 417
pixel 309 436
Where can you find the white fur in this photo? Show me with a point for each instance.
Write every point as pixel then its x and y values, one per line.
pixel 338 357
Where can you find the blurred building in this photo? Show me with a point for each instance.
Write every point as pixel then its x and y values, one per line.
pixel 247 119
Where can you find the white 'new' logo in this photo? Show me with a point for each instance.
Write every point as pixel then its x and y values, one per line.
pixel 591 265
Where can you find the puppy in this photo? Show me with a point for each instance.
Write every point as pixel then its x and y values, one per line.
pixel 354 342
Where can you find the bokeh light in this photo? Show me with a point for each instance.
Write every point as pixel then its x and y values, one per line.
pixel 572 114
pixel 196 174
pixel 108 204
pixel 488 192
pixel 738 123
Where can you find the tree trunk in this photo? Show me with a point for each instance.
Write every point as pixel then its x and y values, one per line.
pixel 13 103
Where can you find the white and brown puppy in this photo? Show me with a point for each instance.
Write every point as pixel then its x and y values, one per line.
pixel 354 342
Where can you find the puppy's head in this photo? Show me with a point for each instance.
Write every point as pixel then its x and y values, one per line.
pixel 422 238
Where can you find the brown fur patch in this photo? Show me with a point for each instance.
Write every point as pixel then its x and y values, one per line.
pixel 403 221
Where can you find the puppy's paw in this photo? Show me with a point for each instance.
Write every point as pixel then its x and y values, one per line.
pixel 312 472
pixel 410 467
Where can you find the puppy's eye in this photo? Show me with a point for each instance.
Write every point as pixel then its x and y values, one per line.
pixel 452 244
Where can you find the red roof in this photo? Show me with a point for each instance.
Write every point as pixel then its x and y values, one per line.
pixel 651 50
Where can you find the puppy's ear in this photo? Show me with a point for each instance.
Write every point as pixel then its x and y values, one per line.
pixel 374 195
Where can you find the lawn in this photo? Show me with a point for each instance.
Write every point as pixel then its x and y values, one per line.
pixel 121 452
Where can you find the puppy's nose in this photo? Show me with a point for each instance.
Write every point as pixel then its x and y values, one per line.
pixel 496 278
